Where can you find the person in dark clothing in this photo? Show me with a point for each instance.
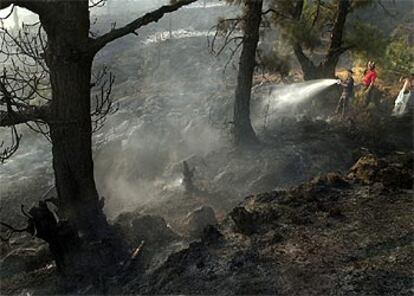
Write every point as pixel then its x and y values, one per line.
pixel 347 93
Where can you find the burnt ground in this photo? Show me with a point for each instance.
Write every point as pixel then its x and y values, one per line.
pixel 337 234
pixel 334 235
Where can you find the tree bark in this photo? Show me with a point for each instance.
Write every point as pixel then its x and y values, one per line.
pixel 70 123
pixel 335 46
pixel 243 131
pixel 67 28
pixel 82 241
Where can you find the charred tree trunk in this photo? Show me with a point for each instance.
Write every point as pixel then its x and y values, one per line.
pixel 81 240
pixel 335 47
pixel 243 131
pixel 70 123
pixel 308 67
pixel 67 29
pixel 326 69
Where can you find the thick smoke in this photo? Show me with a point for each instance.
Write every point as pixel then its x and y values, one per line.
pixel 173 107
pixel 168 89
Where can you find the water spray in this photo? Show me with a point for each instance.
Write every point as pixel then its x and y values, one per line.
pixel 283 99
pixel 293 94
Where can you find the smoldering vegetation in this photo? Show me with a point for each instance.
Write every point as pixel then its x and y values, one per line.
pixel 174 104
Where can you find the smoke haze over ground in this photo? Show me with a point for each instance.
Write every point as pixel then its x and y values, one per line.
pixel 318 204
pixel 175 104
pixel 167 91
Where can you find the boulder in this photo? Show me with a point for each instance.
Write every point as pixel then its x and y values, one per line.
pixel 244 221
pixel 366 168
pixel 152 229
pixel 331 179
pixel 200 218
pixel 25 260
pixel 392 172
pixel 211 235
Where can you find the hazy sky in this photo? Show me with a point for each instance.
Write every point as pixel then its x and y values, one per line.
pixel 24 15
pixel 27 16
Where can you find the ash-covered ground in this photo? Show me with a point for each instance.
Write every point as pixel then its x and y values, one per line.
pixel 335 235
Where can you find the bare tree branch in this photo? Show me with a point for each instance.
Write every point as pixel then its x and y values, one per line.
pixel 9 14
pixel 102 106
pixel 25 116
pixel 154 16
pixel 8 151
pixel 386 10
pixel 96 3
pixel 318 8
pixel 227 29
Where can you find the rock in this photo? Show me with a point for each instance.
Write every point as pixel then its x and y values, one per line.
pixel 321 183
pixel 393 172
pixel 241 259
pixel 395 177
pixel 302 237
pixel 149 228
pixel 277 238
pixel 199 219
pixel 335 213
pixel 300 218
pixel 211 235
pixel 25 260
pixel 365 169
pixel 335 179
pixel 4 248
pixel 243 220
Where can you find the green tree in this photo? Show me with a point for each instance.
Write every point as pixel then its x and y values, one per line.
pixel 399 54
pixel 326 27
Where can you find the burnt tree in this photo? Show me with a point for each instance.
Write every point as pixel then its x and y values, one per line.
pixel 68 54
pixel 241 32
pixel 243 132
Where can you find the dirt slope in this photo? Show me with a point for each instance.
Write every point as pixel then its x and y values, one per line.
pixel 334 235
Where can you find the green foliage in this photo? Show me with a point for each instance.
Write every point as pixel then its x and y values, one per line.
pixel 309 25
pixel 274 62
pixel 306 30
pixel 359 4
pixel 394 55
pixel 399 56
pixel 369 43
pixel 303 33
